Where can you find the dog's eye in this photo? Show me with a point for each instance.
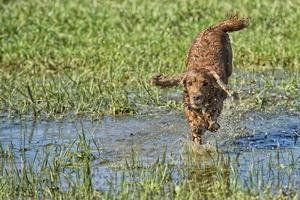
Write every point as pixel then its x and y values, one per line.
pixel 190 83
pixel 205 84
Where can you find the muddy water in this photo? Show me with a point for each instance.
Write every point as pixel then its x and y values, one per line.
pixel 252 138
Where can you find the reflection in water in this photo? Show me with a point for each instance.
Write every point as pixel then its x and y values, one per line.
pixel 208 169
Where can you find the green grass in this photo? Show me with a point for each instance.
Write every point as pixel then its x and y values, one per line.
pixel 91 57
pixel 65 172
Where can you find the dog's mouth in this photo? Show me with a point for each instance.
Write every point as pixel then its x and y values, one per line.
pixel 196 105
pixel 197 102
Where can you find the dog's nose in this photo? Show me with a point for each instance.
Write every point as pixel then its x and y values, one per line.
pixel 198 98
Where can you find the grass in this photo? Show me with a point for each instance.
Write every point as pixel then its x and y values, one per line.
pixel 66 171
pixel 91 58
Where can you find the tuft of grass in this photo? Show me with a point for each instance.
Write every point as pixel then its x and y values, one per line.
pixel 91 58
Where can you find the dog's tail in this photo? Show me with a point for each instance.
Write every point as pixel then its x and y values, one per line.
pixel 232 23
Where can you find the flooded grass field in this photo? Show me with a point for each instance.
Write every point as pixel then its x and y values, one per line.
pixel 79 119
pixel 259 150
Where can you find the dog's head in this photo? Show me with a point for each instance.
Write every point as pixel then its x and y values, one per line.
pixel 202 86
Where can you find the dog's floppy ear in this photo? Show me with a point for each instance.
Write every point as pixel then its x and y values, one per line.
pixel 222 85
pixel 168 80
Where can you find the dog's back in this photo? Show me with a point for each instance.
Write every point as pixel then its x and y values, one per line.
pixel 211 48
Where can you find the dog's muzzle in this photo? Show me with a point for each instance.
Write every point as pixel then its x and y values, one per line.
pixel 197 101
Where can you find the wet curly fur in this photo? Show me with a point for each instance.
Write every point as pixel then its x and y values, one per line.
pixel 209 65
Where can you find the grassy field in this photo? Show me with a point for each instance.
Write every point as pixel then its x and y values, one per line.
pixel 92 58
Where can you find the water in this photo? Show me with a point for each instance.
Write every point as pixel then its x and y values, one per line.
pixel 269 131
pixel 253 138
pixel 149 135
pixel 269 149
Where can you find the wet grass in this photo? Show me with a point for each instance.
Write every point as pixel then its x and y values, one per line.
pixel 91 58
pixel 66 171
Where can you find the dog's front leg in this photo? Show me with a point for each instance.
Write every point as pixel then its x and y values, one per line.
pixel 197 135
pixel 197 125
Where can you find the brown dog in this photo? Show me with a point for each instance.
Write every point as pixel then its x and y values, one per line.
pixel 209 65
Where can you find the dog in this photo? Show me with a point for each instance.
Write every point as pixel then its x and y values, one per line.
pixel 208 68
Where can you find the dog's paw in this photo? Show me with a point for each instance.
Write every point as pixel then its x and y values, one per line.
pixel 213 126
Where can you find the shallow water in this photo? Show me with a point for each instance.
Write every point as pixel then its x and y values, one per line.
pixel 149 135
pixel 269 146
pixel 253 138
